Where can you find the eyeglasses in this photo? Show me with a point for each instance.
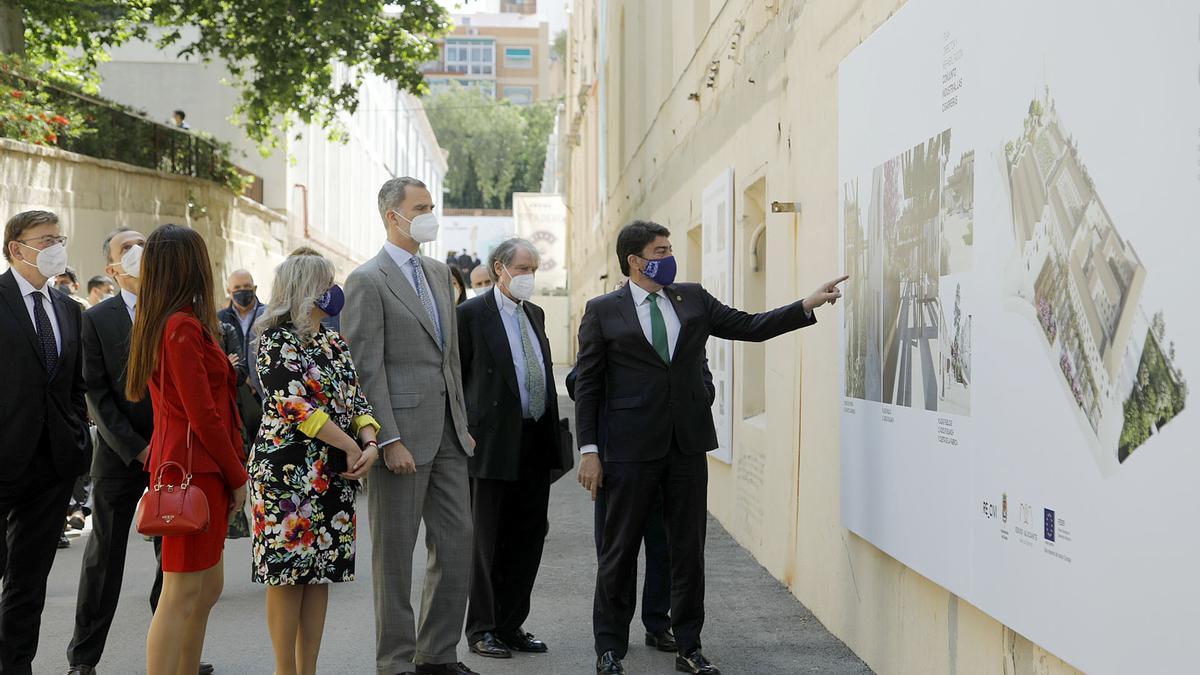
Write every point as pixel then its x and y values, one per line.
pixel 46 241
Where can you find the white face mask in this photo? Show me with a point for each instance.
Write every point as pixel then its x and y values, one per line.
pixel 131 260
pixel 422 229
pixel 472 293
pixel 51 261
pixel 520 286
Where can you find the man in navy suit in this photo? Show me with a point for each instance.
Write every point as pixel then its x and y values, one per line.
pixel 641 356
pixel 44 441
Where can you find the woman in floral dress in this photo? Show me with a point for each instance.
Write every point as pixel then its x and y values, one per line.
pixel 306 461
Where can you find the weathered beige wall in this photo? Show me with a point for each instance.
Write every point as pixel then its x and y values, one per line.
pixel 771 115
pixel 92 197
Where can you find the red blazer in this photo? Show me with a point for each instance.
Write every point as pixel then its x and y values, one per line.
pixel 195 383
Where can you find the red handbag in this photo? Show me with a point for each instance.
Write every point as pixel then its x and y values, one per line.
pixel 173 510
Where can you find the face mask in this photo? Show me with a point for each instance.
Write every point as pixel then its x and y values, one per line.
pixel 131 260
pixel 332 301
pixel 243 298
pixel 65 288
pixel 520 286
pixel 51 261
pixel 660 271
pixel 422 229
pixel 472 293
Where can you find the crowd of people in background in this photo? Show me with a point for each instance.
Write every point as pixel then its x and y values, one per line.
pixel 447 411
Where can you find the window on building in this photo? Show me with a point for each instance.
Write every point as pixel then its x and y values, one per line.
pixel 439 84
pixel 752 239
pixel 470 57
pixel 519 95
pixel 518 57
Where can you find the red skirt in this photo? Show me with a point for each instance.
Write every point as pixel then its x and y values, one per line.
pixel 196 552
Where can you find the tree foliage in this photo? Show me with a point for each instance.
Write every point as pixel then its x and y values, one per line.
pixel 496 148
pixel 291 59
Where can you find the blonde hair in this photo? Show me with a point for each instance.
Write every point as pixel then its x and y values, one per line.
pixel 299 282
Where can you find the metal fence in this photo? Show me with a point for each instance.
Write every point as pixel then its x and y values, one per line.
pixel 126 136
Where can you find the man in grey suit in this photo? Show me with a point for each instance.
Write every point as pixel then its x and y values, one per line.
pixel 400 322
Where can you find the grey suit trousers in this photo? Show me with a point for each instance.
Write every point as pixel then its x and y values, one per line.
pixel 439 493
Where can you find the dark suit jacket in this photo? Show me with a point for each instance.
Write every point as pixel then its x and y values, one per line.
pixel 32 400
pixel 643 400
pixel 236 342
pixel 493 399
pixel 124 427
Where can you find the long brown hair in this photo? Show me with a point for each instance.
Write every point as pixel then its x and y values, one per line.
pixel 175 275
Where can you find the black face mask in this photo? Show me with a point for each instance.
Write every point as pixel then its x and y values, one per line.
pixel 65 288
pixel 243 298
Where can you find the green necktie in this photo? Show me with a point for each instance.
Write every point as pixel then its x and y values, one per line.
pixel 658 329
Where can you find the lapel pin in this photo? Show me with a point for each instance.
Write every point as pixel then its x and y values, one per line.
pixel 679 298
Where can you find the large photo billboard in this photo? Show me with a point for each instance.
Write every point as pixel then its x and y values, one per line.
pixel 1019 190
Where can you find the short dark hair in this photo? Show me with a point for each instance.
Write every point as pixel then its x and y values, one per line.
pixel 23 222
pixel 633 239
pixel 98 281
pixel 182 115
pixel 69 272
pixel 106 246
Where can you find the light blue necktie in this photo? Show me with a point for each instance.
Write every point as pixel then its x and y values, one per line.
pixel 424 297
pixel 535 382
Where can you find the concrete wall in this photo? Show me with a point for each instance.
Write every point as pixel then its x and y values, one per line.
pixel 92 197
pixel 771 115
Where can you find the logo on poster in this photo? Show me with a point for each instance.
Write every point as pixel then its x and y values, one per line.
pixel 1049 524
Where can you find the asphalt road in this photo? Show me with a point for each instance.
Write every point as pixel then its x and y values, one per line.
pixel 753 625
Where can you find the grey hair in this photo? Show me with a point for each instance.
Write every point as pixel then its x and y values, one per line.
pixel 106 248
pixel 299 282
pixel 392 193
pixel 506 251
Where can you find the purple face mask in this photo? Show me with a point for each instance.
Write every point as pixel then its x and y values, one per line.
pixel 661 270
pixel 332 301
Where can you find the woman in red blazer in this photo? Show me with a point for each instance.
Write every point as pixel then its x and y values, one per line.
pixel 174 354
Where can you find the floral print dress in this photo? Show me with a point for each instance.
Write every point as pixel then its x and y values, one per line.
pixel 304 524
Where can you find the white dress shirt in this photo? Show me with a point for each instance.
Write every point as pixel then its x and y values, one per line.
pixel 641 302
pixel 402 258
pixel 130 302
pixel 511 314
pixel 27 291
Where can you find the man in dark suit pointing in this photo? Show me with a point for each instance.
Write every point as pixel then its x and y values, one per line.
pixel 641 356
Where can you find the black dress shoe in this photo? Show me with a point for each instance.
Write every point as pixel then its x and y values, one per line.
pixel 694 662
pixel 609 664
pixel 206 668
pixel 63 542
pixel 459 668
pixel 524 642
pixel 663 641
pixel 490 646
pixel 81 670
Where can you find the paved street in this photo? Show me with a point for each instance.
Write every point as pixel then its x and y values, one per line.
pixel 754 624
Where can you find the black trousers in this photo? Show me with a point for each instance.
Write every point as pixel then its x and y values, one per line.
pixel 510 531
pixel 33 504
pixel 114 500
pixel 656 584
pixel 682 481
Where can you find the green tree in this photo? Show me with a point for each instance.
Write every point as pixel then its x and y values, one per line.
pixel 496 148
pixel 283 55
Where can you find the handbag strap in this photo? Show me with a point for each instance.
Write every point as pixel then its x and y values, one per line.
pixel 187 476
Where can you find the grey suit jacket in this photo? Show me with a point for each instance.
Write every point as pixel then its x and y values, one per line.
pixel 407 377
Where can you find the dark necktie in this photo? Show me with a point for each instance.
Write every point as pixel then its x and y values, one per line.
pixel 45 333
pixel 658 329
